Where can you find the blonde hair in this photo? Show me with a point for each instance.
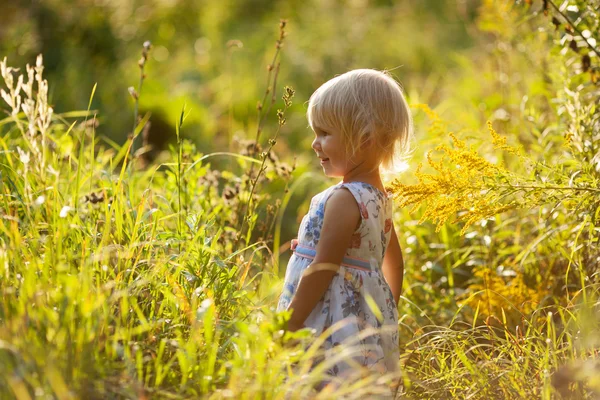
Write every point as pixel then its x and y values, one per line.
pixel 364 105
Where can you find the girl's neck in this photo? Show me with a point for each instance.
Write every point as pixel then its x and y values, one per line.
pixel 362 174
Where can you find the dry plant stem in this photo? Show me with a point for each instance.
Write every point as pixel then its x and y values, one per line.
pixel 255 147
pixel 262 169
pixel 262 115
pixel 574 27
pixel 273 97
pixel 230 111
pixel 273 89
pixel 137 105
pixel 136 94
pixel 92 154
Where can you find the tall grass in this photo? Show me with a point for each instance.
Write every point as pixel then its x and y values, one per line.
pixel 137 285
pixel 126 285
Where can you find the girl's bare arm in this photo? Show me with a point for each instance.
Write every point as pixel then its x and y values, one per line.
pixel 342 216
pixel 393 266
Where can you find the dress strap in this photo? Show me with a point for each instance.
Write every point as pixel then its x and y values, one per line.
pixel 311 252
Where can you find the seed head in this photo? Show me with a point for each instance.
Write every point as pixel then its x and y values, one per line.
pixel 288 94
pixel 280 116
pixel 133 92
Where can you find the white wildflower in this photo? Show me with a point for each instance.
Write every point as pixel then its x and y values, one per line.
pixel 23 156
pixel 28 87
pixel 64 211
pixel 3 67
pixel 39 68
pixel 8 78
pixel 16 105
pixel 6 97
pixel 19 84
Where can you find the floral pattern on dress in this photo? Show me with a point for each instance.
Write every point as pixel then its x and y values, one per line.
pixel 346 297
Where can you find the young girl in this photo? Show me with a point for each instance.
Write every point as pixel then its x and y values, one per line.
pixel 347 260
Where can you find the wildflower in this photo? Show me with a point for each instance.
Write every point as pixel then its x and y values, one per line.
pixel 28 88
pixel 39 68
pixel 12 97
pixel 463 183
pixel 495 288
pixel 29 109
pixel 438 126
pixel 499 142
pixel 23 156
pixel 64 211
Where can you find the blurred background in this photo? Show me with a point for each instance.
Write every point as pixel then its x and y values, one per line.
pixel 466 59
pixel 212 55
pixel 470 61
pixel 530 67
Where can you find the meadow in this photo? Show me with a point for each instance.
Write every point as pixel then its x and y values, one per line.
pixel 132 267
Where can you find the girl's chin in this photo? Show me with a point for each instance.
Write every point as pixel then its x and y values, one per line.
pixel 330 172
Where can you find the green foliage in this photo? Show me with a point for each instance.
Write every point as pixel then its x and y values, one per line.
pixel 123 276
pixel 527 216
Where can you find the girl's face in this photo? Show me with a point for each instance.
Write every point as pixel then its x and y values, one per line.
pixel 329 146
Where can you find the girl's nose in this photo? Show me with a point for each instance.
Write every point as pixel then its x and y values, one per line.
pixel 316 145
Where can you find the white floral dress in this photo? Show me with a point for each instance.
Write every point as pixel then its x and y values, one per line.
pixel 346 297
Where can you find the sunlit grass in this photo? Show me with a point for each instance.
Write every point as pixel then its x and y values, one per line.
pixel 122 282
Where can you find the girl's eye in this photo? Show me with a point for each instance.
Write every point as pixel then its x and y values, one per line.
pixel 320 133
